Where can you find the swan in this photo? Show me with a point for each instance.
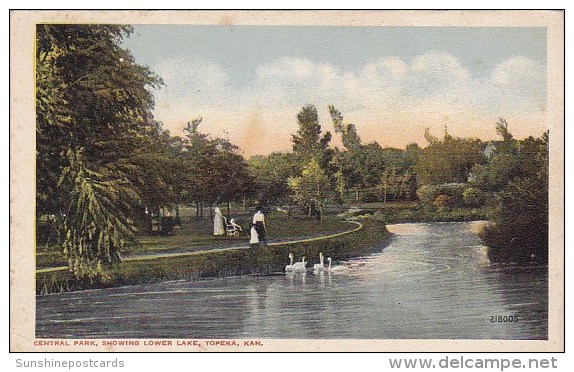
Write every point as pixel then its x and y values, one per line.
pixel 336 268
pixel 320 266
pixel 290 266
pixel 300 266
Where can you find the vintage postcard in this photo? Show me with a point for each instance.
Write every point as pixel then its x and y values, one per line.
pixel 287 181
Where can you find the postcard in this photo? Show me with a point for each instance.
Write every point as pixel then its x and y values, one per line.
pixel 254 181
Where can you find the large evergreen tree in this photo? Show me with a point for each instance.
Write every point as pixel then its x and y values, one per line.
pixel 308 143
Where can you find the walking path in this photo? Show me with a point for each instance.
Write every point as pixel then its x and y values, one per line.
pixel 142 257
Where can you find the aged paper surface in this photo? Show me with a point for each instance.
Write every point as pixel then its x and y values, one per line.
pixel 22 178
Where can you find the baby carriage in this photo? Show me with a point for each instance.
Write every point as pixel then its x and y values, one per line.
pixel 232 228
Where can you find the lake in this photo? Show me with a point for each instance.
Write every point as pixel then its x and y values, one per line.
pixel 431 281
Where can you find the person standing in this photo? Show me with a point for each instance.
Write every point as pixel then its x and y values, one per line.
pixel 254 236
pixel 218 228
pixel 259 222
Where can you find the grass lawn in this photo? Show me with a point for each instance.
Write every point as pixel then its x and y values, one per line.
pixel 198 235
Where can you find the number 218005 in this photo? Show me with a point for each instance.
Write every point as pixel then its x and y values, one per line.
pixel 504 318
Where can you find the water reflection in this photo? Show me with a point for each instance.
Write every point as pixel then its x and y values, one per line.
pixel 431 281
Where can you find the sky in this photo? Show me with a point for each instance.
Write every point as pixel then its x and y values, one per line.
pixel 249 82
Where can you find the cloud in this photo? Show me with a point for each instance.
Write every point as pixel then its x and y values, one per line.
pixel 389 99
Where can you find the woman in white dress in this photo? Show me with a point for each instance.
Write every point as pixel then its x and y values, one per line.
pixel 218 228
pixel 254 236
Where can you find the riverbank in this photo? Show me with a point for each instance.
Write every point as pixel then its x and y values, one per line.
pixel 262 260
pixel 197 235
pixel 416 213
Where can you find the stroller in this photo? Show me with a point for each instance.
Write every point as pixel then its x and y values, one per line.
pixel 231 228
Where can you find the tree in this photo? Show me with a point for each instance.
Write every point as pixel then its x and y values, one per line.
pixel 157 170
pixel 215 171
pixel 308 143
pixel 270 173
pixel 93 114
pixel 96 225
pixel 345 162
pixel 348 131
pixel 517 176
pixel 311 188
pixel 447 161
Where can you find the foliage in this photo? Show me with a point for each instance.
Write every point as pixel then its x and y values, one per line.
pixel 96 226
pixel 454 191
pixel 214 170
pixel 472 197
pixel 448 161
pixel 311 188
pixel 308 143
pixel 348 131
pixel 270 173
pixel 520 223
pixel 370 197
pixel 417 214
pixel 156 171
pixel 93 116
pixel 442 202
pixel 398 186
pixel 520 229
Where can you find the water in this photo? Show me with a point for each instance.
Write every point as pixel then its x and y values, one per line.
pixel 433 281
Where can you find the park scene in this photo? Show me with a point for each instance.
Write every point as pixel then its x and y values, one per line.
pixel 231 181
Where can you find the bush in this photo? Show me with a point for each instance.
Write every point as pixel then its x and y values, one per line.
pixel 520 229
pixel 442 202
pixel 353 213
pixel 453 191
pixel 370 197
pixel 473 197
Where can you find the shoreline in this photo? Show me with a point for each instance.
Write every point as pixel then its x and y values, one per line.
pixel 223 263
pixel 153 256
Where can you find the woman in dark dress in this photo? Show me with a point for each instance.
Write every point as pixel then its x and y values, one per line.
pixel 259 222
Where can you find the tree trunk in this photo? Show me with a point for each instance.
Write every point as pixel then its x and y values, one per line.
pixel 228 209
pixel 149 221
pixel 197 211
pixel 177 217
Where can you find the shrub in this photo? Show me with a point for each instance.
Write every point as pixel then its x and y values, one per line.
pixel 353 213
pixel 370 197
pixel 454 191
pixel 442 202
pixel 472 197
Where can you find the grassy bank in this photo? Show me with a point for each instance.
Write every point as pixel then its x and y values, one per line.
pixel 223 263
pixel 198 235
pixel 416 213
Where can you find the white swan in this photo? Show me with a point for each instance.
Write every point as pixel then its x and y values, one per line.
pixel 321 265
pixel 290 266
pixel 300 266
pixel 334 269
